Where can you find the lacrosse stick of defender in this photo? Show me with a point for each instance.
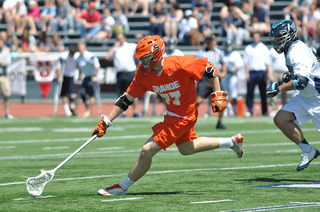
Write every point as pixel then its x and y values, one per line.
pixel 57 91
pixel 96 88
pixel 35 185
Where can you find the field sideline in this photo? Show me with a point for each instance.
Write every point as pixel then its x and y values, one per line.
pixel 265 179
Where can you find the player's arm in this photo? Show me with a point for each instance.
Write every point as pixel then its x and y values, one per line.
pixel 121 105
pixel 219 98
pixel 288 83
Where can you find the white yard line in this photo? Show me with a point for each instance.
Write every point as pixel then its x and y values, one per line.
pixel 56 147
pixel 220 133
pixel 27 198
pixel 171 171
pixel 7 147
pixel 213 201
pixel 271 208
pixel 112 200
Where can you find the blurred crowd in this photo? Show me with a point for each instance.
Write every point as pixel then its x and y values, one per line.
pixel 103 19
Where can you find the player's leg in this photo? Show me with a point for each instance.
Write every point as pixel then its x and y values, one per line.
pixel 64 96
pixel 149 149
pixel 286 120
pixel 262 84
pixel 209 143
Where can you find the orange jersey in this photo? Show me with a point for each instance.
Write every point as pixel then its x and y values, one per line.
pixel 176 83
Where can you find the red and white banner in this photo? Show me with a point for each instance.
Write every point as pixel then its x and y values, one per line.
pixel 44 73
pixel 16 73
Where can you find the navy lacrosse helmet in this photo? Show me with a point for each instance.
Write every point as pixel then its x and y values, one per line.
pixel 228 44
pixel 282 33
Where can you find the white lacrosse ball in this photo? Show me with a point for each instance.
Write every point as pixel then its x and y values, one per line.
pixel 34 194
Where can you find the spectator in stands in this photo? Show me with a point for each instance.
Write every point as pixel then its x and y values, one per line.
pixel 5 61
pixel 47 15
pixel 107 25
pixel 77 10
pixel 225 16
pixel 121 25
pixel 89 23
pixel 123 5
pixel 19 13
pixel 296 11
pixel 190 29
pixel 11 40
pixel 261 18
pixel 122 55
pixel 310 25
pixel 199 6
pixel 7 12
pixel 157 20
pixel 205 23
pixel 258 69
pixel 44 43
pixel 172 22
pixel 57 44
pixel 143 3
pixel 63 18
pixel 238 30
pixel 32 19
pixel 28 42
pixel 88 65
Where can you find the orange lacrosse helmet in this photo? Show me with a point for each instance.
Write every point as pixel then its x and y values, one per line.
pixel 149 51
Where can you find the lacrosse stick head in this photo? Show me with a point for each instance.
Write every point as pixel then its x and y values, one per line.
pixel 35 185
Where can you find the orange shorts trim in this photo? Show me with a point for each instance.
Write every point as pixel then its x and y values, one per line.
pixel 174 130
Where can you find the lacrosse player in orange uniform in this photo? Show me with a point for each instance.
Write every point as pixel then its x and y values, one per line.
pixel 173 78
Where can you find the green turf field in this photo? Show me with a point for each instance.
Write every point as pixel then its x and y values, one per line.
pixel 210 181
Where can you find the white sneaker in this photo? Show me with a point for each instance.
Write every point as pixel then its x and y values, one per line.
pixel 306 158
pixel 9 116
pixel 237 141
pixel 112 190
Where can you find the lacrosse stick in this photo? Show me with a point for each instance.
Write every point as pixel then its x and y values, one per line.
pixel 57 91
pixel 35 185
pixel 96 88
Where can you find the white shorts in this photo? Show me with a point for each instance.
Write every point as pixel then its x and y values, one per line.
pixel 303 111
pixel 230 84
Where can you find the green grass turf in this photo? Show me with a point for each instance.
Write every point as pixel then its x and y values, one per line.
pixel 173 182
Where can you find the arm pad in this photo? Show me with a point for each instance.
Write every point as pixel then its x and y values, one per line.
pixel 211 71
pixel 300 82
pixel 123 102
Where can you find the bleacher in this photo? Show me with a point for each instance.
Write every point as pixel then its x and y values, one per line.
pixel 140 24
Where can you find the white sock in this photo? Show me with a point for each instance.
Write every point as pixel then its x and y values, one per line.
pixel 126 183
pixel 225 142
pixel 305 147
pixel 66 109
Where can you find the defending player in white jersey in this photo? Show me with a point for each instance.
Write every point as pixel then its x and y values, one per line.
pixel 234 62
pixel 304 75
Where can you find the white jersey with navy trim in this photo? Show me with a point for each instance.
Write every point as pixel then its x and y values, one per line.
pixel 214 56
pixel 301 61
pixel 67 64
pixel 87 63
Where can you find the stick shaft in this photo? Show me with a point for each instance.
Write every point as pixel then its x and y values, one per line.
pixel 73 154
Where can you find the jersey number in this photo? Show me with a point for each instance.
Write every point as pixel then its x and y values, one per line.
pixel 173 95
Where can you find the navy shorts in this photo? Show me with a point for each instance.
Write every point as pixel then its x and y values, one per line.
pixel 87 87
pixel 204 88
pixel 68 86
pixel 124 79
